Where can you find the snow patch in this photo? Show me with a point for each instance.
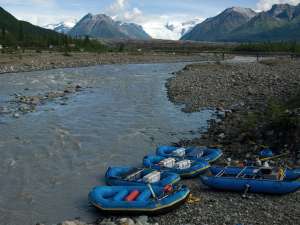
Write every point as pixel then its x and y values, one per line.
pixel 62 27
pixel 170 30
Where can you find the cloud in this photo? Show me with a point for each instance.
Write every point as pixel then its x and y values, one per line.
pixel 44 3
pixel 264 5
pixel 40 12
pixel 133 15
pixel 121 10
pixel 117 6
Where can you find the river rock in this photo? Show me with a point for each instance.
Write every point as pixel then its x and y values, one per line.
pixel 126 221
pixel 107 221
pixel 4 110
pixel 142 220
pixel 16 115
pixel 74 222
pixel 221 136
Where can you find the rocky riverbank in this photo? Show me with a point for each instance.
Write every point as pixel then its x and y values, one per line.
pixel 234 86
pixel 260 103
pixel 24 62
pixel 259 107
pixel 21 104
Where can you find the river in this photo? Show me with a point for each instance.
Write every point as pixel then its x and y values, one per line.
pixel 51 158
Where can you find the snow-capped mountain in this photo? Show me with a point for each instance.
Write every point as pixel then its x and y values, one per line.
pixel 170 30
pixel 181 28
pixel 214 28
pixel 62 27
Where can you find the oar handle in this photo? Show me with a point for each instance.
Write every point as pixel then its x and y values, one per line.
pixel 273 157
pixel 151 190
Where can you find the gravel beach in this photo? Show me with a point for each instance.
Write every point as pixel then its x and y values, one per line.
pixel 235 85
pixel 31 61
pixel 235 90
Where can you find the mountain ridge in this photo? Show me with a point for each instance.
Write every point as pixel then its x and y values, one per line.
pixel 14 30
pixel 103 26
pixel 281 22
pixel 220 25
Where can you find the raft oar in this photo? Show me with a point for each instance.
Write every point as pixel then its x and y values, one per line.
pixel 152 192
pixel 274 157
pixel 246 191
pixel 240 173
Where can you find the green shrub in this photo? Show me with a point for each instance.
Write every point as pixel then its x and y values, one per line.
pixel 279 116
pixel 250 121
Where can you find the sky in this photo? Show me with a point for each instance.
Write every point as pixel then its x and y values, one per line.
pixel 153 15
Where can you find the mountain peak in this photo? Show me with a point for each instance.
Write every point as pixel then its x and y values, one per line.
pixel 103 26
pixel 283 11
pixel 215 27
pixel 91 16
pixel 281 6
pixel 247 12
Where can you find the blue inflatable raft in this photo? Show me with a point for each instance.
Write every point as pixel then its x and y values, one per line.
pixel 113 199
pixel 243 182
pixel 193 153
pixel 196 167
pixel 289 174
pixel 266 153
pixel 130 176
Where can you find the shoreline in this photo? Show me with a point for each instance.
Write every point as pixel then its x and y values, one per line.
pixel 243 93
pixel 237 91
pixel 28 62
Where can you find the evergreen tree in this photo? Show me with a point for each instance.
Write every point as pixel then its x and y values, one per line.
pixel 21 32
pixel 86 41
pixel 3 32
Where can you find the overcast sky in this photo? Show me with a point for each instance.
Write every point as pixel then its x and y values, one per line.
pixel 148 13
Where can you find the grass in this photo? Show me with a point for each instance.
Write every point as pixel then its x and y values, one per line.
pixel 279 116
pixel 294 102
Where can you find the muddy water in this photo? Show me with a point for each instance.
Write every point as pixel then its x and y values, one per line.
pixel 51 158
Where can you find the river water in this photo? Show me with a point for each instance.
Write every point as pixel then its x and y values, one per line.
pixel 50 159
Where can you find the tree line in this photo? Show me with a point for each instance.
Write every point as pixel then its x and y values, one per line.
pixel 42 41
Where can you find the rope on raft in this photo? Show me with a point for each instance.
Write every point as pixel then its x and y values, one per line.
pixel 192 199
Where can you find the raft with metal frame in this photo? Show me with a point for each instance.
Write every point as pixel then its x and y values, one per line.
pixel 288 173
pixel 196 168
pixel 193 153
pixel 255 183
pixel 131 176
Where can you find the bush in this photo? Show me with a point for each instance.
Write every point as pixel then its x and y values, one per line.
pixel 293 47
